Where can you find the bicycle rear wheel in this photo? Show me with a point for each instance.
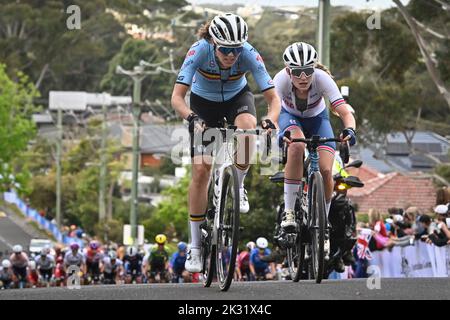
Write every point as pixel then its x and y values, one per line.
pixel 317 225
pixel 228 231
pixel 208 247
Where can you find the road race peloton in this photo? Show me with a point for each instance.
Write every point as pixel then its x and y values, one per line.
pixel 215 68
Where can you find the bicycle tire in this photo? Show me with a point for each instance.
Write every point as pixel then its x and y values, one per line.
pixel 209 248
pixel 317 225
pixel 228 227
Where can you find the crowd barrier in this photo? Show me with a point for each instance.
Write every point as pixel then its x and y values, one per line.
pixel 416 261
pixel 12 198
pixel 420 260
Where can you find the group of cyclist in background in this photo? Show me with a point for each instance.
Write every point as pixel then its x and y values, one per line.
pixel 95 264
pixel 102 264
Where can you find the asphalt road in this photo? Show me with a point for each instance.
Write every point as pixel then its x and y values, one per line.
pixel 12 234
pixel 391 289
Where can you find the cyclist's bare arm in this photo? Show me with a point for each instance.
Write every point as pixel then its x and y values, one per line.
pixel 344 112
pixel 274 102
pixel 252 268
pixel 239 274
pixel 178 102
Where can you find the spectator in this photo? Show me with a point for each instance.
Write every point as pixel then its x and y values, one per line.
pixel 410 218
pixel 379 235
pixel 443 196
pixel 440 234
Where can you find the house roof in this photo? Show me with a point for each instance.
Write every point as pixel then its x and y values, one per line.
pixel 395 155
pixel 395 190
pixel 154 138
pixel 425 141
pixel 162 138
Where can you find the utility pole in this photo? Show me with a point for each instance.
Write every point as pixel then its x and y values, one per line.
pixel 58 168
pixel 323 36
pixel 102 190
pixel 138 75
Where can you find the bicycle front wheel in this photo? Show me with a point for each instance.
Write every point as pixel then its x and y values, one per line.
pixel 228 231
pixel 208 247
pixel 317 225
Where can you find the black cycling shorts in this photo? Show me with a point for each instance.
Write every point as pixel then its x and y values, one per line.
pixel 213 113
pixel 20 273
pixel 46 273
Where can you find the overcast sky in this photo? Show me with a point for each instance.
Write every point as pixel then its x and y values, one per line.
pixel 362 4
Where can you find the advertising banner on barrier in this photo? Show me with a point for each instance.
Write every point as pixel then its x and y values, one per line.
pixel 417 261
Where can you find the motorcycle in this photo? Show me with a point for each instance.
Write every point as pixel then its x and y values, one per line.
pixel 342 216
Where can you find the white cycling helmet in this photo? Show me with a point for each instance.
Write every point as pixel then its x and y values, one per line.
pixel 132 251
pixel 300 54
pixel 17 248
pixel 262 243
pixel 6 264
pixel 229 30
pixel 250 245
pixel 112 255
pixel 32 265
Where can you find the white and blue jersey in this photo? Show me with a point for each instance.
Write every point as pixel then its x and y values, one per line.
pixel 314 119
pixel 202 71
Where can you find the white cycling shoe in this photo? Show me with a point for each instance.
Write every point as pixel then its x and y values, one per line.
pixel 288 223
pixel 244 206
pixel 193 261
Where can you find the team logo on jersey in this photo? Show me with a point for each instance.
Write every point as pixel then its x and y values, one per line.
pixel 242 109
pixel 180 78
pixel 259 58
pixel 187 64
pixel 195 44
pixel 190 53
pixel 270 82
pixel 212 64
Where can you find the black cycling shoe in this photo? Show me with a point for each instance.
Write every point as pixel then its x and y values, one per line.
pixel 348 258
pixel 339 265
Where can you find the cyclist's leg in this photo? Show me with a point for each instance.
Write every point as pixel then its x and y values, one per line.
pixel 242 112
pixel 198 200
pixel 320 125
pixel 201 164
pixel 294 166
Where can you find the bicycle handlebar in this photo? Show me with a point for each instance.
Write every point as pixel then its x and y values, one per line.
pixel 314 142
pixel 237 131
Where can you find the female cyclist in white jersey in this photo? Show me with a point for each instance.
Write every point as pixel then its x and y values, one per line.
pixel 302 86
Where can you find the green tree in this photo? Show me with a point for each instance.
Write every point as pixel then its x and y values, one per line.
pixel 16 129
pixel 171 216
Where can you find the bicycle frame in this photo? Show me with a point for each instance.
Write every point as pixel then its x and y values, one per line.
pixel 218 168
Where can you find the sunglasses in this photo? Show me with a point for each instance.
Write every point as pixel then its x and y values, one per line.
pixel 297 72
pixel 227 50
